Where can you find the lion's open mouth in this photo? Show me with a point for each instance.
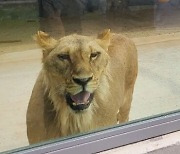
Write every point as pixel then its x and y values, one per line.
pixel 79 101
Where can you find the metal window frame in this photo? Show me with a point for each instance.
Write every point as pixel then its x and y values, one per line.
pixel 109 138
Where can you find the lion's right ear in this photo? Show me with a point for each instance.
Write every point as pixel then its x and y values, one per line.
pixel 46 42
pixel 104 38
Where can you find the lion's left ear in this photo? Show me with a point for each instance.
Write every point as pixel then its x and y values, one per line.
pixel 46 42
pixel 104 39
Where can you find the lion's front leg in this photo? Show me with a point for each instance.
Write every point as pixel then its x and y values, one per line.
pixel 123 114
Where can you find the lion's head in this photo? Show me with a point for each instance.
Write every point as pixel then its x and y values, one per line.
pixel 73 66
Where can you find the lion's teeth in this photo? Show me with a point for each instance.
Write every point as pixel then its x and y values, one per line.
pixel 75 104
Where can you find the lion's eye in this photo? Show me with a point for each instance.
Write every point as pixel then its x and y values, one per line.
pixel 63 57
pixel 94 55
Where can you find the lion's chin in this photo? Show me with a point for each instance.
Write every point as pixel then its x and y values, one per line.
pixel 80 101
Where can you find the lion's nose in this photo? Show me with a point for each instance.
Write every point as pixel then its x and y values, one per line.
pixel 82 81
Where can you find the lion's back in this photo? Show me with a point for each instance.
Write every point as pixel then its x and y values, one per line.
pixel 124 62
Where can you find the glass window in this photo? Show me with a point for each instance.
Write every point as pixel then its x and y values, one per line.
pixel 70 67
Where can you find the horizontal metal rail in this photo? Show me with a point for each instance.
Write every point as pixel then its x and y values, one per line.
pixel 109 138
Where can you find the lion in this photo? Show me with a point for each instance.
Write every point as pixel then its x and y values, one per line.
pixel 86 83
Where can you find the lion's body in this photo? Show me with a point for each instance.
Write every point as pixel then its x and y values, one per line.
pixel 49 119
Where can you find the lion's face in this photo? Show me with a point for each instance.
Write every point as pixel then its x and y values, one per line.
pixel 74 66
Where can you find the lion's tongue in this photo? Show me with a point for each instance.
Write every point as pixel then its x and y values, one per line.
pixel 81 97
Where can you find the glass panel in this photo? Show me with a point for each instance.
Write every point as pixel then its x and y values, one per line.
pixel 84 83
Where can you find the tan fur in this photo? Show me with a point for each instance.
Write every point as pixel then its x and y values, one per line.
pixel 114 73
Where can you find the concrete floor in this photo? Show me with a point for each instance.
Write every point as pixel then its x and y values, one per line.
pixel 157 89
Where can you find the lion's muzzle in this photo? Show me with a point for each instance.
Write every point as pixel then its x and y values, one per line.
pixel 82 81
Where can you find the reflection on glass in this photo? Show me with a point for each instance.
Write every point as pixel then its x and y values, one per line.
pixel 84 83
